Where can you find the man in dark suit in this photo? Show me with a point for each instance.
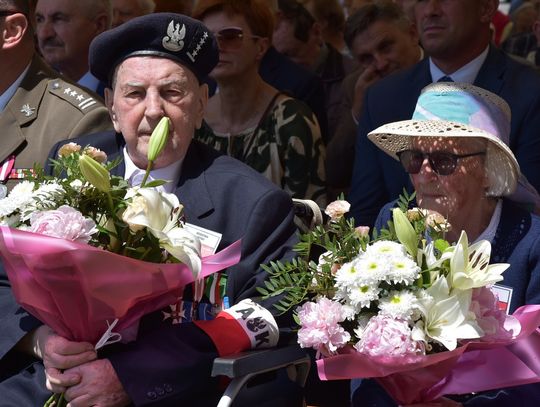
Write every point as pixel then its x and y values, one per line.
pixel 156 64
pixel 456 36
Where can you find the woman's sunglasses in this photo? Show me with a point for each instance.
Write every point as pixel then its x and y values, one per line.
pixel 231 38
pixel 441 162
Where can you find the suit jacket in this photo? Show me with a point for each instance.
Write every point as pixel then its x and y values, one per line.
pixel 377 178
pixel 517 241
pixel 45 109
pixel 171 364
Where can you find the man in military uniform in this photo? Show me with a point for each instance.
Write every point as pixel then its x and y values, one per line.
pixel 37 106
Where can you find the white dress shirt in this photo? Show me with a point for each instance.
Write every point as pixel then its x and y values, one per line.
pixel 8 94
pixel 467 73
pixel 135 175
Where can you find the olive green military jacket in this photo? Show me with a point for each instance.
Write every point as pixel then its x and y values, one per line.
pixel 44 110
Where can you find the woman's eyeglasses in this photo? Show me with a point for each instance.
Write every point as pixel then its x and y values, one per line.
pixel 231 38
pixel 441 162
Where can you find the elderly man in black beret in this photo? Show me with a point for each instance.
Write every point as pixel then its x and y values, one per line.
pixel 155 66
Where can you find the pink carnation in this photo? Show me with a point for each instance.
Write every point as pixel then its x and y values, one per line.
pixel 385 336
pixel 337 209
pixel 320 327
pixel 65 223
pixel 489 317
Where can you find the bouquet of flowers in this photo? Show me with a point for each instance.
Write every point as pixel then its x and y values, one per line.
pixel 402 306
pixel 85 252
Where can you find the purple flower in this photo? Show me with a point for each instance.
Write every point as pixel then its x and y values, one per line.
pixel 64 222
pixel 385 336
pixel 320 326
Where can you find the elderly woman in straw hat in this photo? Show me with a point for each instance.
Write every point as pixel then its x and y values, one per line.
pixel 455 150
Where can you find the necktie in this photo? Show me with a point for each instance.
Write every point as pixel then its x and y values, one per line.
pixel 445 78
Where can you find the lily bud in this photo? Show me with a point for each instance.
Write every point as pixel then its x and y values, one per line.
pixel 405 232
pixel 158 139
pixel 95 173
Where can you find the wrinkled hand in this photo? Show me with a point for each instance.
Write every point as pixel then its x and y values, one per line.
pixel 59 354
pixel 99 386
pixel 442 402
pixel 368 76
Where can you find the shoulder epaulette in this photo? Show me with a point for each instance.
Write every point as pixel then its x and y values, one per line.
pixel 75 95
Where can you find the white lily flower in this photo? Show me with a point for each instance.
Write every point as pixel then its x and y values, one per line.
pixel 469 266
pixel 159 212
pixel 446 317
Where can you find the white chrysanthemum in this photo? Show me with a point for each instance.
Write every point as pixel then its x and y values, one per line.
pixel 371 269
pixel 398 304
pixel 402 270
pixel 386 248
pixel 17 199
pixel 347 274
pixel 362 296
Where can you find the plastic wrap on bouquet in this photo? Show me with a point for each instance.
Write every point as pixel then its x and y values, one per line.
pixel 473 367
pixel 76 289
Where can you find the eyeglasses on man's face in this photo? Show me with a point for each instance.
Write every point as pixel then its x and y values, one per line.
pixel 231 38
pixel 442 162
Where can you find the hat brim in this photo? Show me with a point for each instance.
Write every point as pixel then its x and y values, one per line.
pixel 395 137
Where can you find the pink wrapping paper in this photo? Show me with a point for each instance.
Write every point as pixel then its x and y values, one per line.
pixel 473 367
pixel 76 288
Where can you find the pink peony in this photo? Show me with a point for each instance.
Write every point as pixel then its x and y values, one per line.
pixel 64 222
pixel 385 336
pixel 489 317
pixel 320 327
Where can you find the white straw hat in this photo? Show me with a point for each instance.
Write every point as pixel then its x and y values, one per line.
pixel 450 109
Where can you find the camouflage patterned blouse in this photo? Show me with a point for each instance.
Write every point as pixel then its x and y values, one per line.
pixel 287 149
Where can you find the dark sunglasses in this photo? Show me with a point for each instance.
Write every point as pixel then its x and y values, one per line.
pixel 441 162
pixel 231 37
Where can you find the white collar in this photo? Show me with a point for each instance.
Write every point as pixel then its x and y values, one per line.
pixel 489 233
pixel 8 94
pixel 89 81
pixel 467 73
pixel 169 173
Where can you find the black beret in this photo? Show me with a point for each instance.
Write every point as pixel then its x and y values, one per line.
pixel 167 35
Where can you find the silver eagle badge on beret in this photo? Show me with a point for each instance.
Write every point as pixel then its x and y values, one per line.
pixel 173 41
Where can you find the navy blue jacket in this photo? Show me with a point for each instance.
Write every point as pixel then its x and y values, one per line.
pixel 171 364
pixel 378 178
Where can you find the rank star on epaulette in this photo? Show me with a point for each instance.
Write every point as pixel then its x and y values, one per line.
pixel 27 110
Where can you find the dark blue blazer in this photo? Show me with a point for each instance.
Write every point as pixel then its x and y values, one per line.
pixel 517 241
pixel 171 364
pixel 377 178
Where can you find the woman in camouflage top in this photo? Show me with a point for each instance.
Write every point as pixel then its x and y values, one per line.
pixel 250 120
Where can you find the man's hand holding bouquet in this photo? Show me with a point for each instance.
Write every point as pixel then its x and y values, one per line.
pixel 405 307
pixel 87 253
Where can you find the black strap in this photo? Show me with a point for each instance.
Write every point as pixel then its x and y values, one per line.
pixel 261 120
